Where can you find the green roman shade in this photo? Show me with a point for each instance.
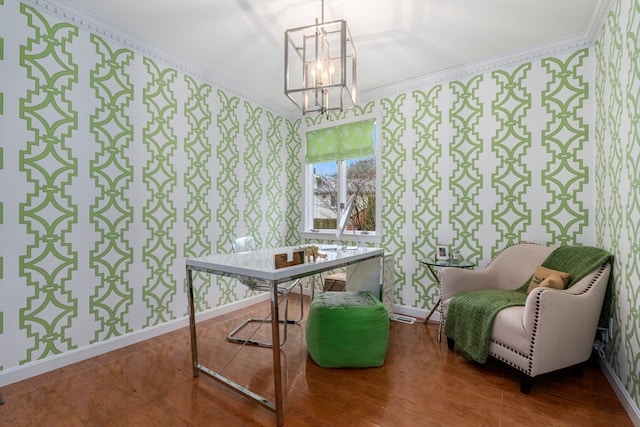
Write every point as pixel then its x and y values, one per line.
pixel 348 141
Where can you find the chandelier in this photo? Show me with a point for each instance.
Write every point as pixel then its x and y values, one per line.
pixel 320 67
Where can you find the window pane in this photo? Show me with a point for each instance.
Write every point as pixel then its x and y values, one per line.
pixel 361 179
pixel 325 196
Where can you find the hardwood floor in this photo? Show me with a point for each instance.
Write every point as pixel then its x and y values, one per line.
pixel 422 383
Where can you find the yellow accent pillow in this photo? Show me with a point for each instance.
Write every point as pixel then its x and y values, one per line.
pixel 546 277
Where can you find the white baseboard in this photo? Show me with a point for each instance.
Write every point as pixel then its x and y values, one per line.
pixel 38 367
pixel 419 313
pixel 627 402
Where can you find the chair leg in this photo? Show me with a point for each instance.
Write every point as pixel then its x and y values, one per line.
pixel 301 305
pixel 577 370
pixel 525 384
pixel 313 284
pixel 232 338
pixel 288 321
pixel 450 343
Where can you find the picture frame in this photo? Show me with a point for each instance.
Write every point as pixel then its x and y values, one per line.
pixel 443 252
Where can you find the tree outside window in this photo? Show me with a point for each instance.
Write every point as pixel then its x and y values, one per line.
pixel 341 161
pixel 360 179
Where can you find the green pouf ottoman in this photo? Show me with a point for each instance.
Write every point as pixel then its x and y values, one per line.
pixel 347 330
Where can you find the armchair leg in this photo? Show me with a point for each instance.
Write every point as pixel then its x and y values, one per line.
pixel 525 384
pixel 450 343
pixel 577 370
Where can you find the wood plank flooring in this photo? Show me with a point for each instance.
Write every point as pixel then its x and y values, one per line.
pixel 422 383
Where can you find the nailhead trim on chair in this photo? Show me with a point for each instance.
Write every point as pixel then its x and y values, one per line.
pixel 529 356
pixel 526 356
pixel 535 328
pixel 496 342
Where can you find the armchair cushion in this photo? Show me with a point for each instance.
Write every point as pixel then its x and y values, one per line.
pixel 470 318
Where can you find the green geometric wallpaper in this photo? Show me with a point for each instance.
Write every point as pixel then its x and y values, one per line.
pixel 564 138
pixel 49 210
pixel 275 188
pixel 483 162
pixel 466 179
pixel 159 177
pixel 427 154
pixel 252 164
pixel 510 144
pixel 617 123
pixel 197 181
pixel 111 171
pixel 292 212
pixel 122 163
pixel 227 184
pixel 1 167
pixel 394 182
pixel 631 166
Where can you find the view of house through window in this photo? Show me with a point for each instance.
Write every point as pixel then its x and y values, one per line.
pixel 335 180
pixel 359 177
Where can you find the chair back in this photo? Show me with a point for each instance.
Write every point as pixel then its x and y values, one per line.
pixel 515 264
pixel 243 244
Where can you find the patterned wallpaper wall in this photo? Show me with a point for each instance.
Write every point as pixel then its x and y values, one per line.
pixel 545 151
pixel 617 123
pixel 121 164
pixel 115 166
pixel 486 161
pixel 1 179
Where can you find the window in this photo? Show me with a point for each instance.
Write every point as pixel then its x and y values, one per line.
pixel 340 161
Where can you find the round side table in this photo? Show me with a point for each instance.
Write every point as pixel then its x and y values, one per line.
pixel 433 265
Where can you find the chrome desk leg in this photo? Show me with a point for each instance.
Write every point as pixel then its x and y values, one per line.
pixel 192 323
pixel 277 369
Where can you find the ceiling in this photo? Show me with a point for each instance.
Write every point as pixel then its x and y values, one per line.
pixel 241 42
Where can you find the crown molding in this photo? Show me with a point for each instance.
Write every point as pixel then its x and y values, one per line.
pixel 470 69
pixel 598 17
pixel 71 14
pixel 568 44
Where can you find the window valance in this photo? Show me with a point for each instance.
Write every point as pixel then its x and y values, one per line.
pixel 348 141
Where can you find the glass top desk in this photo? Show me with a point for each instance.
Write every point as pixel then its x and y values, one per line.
pixel 260 266
pixel 433 264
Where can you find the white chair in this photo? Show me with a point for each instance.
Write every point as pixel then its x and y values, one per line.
pixel 246 244
pixel 555 329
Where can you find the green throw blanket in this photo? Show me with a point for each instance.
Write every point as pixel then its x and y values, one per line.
pixel 471 314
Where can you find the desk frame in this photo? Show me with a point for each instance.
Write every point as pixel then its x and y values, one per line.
pixel 272 277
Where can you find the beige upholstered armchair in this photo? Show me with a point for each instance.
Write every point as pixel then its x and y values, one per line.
pixel 553 329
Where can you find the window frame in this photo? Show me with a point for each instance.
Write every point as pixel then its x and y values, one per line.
pixel 306 225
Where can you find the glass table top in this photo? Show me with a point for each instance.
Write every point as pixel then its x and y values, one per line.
pixel 447 263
